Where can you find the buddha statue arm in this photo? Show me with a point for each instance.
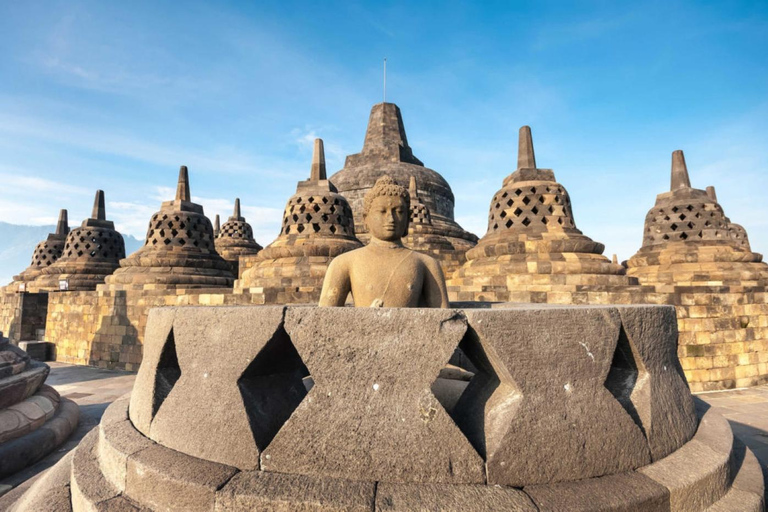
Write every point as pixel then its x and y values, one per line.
pixel 336 285
pixel 434 292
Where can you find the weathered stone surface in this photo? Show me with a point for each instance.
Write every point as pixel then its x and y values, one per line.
pixel 215 347
pixel 88 485
pixel 657 396
pixel 118 440
pixel 697 475
pixel 50 493
pixel 450 498
pixel 387 362
pixel 261 490
pixel 17 387
pixel 164 479
pixel 747 492
pixel 150 387
pixel 540 411
pixel 28 449
pixel 626 492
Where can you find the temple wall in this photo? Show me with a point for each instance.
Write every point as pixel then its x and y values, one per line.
pixel 106 328
pixel 22 315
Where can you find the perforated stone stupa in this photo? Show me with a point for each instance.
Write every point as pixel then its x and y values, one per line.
pixel 47 252
pixel 386 152
pixel 91 253
pixel 317 226
pixel 533 251
pixel 688 240
pixel 235 239
pixel 178 252
pixel 703 262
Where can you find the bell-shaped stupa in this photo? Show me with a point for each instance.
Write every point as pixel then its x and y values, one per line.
pixel 689 241
pixel 235 239
pixel 46 253
pixel 533 251
pixel 317 227
pixel 178 252
pixel 386 152
pixel 91 253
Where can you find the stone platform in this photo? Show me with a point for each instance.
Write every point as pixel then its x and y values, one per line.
pixel 567 409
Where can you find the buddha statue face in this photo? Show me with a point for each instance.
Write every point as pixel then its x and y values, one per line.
pixel 387 218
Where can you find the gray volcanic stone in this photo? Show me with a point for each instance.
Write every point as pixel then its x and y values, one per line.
pixel 661 398
pixel 215 346
pixel 164 479
pixel 49 493
pixel 540 411
pixel 146 391
pixel 371 414
pixel 89 487
pixel 17 387
pixel 118 440
pixel 262 490
pixel 698 474
pixel 450 498
pixel 626 492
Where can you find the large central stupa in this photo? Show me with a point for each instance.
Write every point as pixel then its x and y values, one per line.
pixel 386 152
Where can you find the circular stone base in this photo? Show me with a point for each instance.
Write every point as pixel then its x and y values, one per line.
pixel 116 465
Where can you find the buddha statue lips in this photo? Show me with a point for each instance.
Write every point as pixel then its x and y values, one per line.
pixel 385 273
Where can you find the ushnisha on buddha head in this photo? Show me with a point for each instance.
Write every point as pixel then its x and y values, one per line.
pixel 385 273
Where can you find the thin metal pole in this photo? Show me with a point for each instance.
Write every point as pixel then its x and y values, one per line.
pixel 385 79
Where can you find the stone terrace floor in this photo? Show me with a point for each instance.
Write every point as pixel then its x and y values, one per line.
pixel 94 389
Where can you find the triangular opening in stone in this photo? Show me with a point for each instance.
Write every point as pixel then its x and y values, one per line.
pixel 168 373
pixel 625 377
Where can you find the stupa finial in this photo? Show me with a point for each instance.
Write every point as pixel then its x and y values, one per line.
pixel 680 177
pixel 62 227
pixel 182 189
pixel 236 212
pixel 412 189
pixel 318 162
pixel 526 159
pixel 216 226
pixel 711 193
pixel 99 210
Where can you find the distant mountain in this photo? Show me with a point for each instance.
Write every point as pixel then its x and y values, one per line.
pixel 18 242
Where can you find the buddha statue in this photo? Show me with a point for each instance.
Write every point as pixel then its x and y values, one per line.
pixel 385 273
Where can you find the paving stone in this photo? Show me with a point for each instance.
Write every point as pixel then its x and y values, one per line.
pixel 262 490
pixel 388 362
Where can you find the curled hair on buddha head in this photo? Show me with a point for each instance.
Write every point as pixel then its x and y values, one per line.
pixel 386 186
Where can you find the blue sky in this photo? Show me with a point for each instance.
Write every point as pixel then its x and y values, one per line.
pixel 117 95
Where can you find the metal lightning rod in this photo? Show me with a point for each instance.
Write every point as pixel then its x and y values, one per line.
pixel 385 79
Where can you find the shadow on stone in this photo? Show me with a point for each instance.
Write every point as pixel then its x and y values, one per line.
pixel 627 377
pixel 273 386
pixel 168 373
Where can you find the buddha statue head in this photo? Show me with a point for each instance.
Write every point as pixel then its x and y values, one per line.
pixel 386 210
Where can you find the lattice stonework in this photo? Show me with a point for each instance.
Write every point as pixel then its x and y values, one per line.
pixel 180 229
pixel 420 214
pixel 94 243
pixel 540 207
pixel 678 223
pixel 47 252
pixel 739 235
pixel 318 214
pixel 236 229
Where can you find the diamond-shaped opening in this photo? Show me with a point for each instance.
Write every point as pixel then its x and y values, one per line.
pixel 517 212
pixel 273 386
pixel 508 223
pixel 526 221
pixel 673 227
pixel 626 379
pixel 526 200
pixel 478 393
pixel 684 236
pixel 168 372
